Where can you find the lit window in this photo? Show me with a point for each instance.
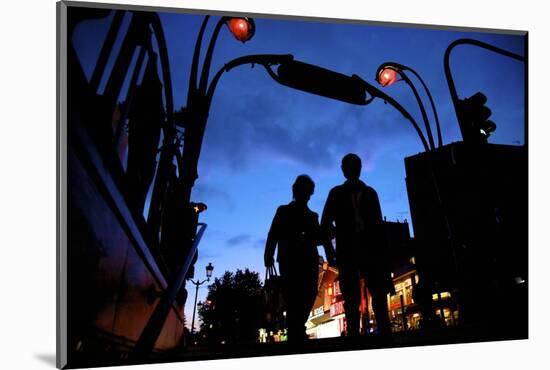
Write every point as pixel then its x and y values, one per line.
pixel 443 295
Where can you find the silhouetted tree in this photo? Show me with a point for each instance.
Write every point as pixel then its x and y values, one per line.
pixel 232 310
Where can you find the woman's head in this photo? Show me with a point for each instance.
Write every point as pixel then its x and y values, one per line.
pixel 303 188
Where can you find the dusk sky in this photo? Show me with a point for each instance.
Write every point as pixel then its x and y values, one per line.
pixel 261 135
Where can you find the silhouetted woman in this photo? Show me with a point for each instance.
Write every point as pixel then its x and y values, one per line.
pixel 295 232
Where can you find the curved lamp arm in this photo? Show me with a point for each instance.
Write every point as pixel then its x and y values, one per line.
pixel 436 116
pixel 422 109
pixel 208 57
pixel 192 90
pixel 265 60
pixel 165 65
pixel 376 93
pixel 400 70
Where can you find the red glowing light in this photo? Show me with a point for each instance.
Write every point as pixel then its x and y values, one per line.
pixel 387 77
pixel 241 28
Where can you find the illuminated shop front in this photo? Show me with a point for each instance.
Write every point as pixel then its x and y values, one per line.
pixel 445 308
pixel 405 313
pixel 327 318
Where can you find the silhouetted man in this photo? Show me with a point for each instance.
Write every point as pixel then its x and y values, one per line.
pixel 295 232
pixel 352 214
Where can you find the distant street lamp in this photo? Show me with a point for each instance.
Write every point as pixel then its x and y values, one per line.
pixel 389 73
pixel 197 284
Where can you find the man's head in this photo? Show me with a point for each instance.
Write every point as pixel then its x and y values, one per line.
pixel 303 188
pixel 351 166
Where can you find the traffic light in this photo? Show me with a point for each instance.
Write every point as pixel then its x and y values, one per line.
pixel 473 116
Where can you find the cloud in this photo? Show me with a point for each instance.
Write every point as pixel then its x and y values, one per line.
pixel 207 255
pixel 238 240
pixel 246 240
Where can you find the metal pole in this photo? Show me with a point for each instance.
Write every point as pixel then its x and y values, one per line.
pixel 422 109
pixel 377 93
pixel 436 116
pixel 401 69
pixel 151 332
pixel 106 50
pixel 403 320
pixel 198 116
pixel 197 284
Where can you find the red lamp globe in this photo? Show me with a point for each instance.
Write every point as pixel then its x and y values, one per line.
pixel 242 28
pixel 387 76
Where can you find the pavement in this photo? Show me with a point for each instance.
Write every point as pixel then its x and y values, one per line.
pixel 425 337
pixel 422 337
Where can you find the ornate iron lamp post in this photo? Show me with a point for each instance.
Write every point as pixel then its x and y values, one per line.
pixel 197 284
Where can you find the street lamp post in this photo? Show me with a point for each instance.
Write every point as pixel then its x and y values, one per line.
pixel 386 75
pixel 197 284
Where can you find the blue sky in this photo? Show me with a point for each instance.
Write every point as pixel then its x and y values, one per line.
pixel 261 135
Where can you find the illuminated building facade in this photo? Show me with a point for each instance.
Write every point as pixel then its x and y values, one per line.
pixel 325 319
